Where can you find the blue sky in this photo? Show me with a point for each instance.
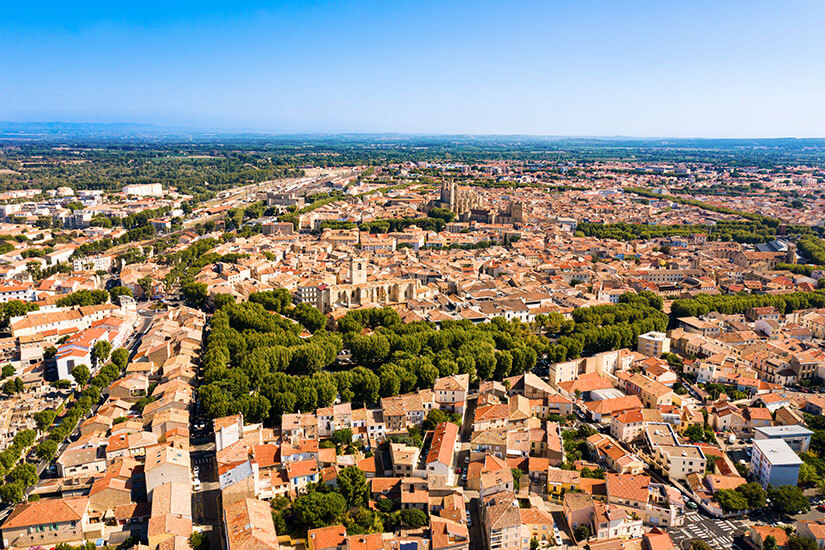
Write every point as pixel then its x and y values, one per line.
pixel 722 68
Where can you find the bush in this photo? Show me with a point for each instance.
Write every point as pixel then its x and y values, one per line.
pixel 414 518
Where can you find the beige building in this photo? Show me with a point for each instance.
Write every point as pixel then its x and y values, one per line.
pixel 166 465
pixel 676 459
pixel 653 344
pixel 49 522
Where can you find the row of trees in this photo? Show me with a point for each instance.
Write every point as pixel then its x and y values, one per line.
pixel 765 220
pixel 739 231
pixel 256 363
pixel 81 406
pixel 22 476
pixel 813 248
pixel 84 298
pixel 14 308
pixel 188 262
pixel 702 304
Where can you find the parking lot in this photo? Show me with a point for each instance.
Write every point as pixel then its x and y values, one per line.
pixel 719 533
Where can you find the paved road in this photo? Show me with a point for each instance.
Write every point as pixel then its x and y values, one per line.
pixel 719 533
pixel 476 537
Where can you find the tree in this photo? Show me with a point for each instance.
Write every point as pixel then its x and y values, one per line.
pixel 582 532
pixel 442 214
pixel 120 358
pixel 516 478
pixel 414 518
pixel 81 374
pixel 731 500
pixel 309 316
pixel 315 509
pixel 12 493
pixel 754 493
pixel 145 284
pixel 195 295
pixel 384 505
pixel 84 298
pixel 795 542
pixel 769 543
pixel 221 300
pixel 199 541
pixel 35 270
pixel 699 544
pixel 15 308
pixel 788 499
pixel 807 475
pixel 598 473
pixel 307 359
pixel 352 484
pixel 101 351
pixel 8 370
pixel 434 418
pixel 342 436
pixel 13 386
pixel 25 474
pixel 44 418
pixel 116 292
pixel 697 434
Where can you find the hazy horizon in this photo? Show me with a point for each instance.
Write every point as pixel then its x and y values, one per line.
pixel 641 69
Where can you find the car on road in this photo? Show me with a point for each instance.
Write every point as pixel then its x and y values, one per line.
pixel 556 535
pixel 196 485
pixel 692 505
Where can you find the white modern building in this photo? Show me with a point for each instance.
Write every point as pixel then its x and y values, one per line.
pixel 144 190
pixel 797 437
pixel 774 463
pixel 93 263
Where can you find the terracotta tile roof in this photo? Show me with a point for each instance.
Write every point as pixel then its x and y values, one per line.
pixel 628 487
pixel 657 539
pixel 47 511
pixel 443 443
pixel 374 541
pixel 302 468
pixel 491 412
pixel 248 525
pixel 326 537
pixel 445 533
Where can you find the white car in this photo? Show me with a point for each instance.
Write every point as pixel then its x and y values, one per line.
pixel 197 485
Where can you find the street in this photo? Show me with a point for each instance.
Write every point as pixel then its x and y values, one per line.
pixel 719 533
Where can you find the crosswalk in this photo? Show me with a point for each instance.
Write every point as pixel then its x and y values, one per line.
pixel 695 531
pixel 719 533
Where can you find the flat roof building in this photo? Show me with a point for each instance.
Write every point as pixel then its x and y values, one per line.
pixel 797 437
pixel 774 463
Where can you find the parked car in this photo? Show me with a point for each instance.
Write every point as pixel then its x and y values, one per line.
pixel 692 505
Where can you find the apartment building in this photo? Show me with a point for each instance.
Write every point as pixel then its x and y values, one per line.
pixel 774 463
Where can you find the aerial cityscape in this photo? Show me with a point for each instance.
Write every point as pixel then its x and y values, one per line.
pixel 279 277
